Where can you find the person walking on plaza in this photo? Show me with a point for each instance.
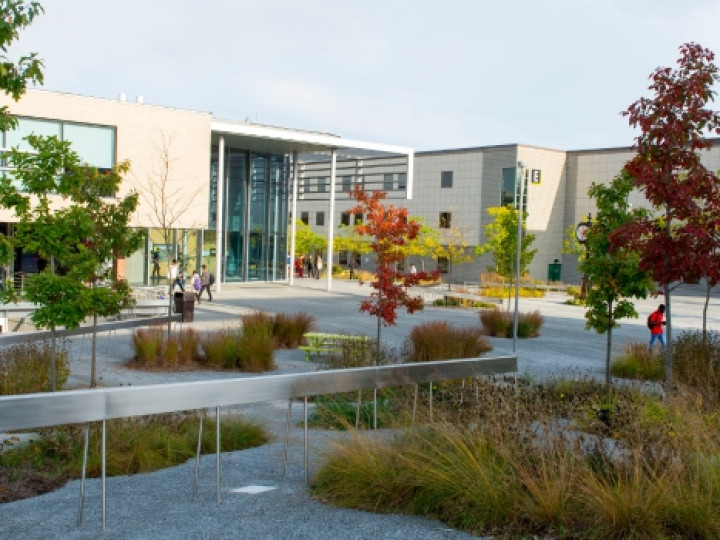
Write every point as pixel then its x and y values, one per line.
pixel 206 280
pixel 174 275
pixel 196 285
pixel 413 270
pixel 656 321
pixel 352 264
pixel 156 265
pixel 318 266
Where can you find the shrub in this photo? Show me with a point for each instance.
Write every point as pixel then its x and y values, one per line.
pixel 499 323
pixel 189 341
pixel 25 368
pixel 534 461
pixel 637 362
pixel 439 340
pixel 148 343
pixel 258 322
pixel 504 292
pixel 153 346
pixel 220 348
pixel 254 352
pixel 288 330
pixel 696 360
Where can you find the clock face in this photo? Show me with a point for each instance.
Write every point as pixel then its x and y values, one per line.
pixel 581 232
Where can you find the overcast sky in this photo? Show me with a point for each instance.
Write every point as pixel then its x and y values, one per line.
pixel 429 74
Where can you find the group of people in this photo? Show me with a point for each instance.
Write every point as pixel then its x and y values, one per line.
pixel 312 265
pixel 199 281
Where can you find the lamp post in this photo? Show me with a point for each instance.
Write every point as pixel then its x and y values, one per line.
pixel 581 235
pixel 516 316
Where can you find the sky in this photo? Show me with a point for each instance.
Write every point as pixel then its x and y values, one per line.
pixel 426 74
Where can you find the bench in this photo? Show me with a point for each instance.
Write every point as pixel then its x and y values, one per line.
pixel 319 344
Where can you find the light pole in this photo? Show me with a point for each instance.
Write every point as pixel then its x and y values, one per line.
pixel 581 235
pixel 521 175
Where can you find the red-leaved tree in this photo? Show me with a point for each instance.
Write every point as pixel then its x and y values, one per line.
pixel 389 229
pixel 678 242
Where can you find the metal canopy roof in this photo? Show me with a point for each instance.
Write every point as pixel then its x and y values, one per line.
pixel 314 146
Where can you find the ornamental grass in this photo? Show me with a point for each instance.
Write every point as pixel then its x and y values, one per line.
pixel 538 460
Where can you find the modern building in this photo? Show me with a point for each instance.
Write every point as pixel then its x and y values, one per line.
pixel 211 191
pixel 454 188
pixel 221 192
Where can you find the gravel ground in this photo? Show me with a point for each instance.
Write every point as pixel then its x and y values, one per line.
pixel 160 504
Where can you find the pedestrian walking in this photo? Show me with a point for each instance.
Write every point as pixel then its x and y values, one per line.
pixel 656 322
pixel 156 265
pixel 196 285
pixel 174 276
pixel 206 281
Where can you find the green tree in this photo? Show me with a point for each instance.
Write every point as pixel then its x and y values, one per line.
pixel 614 271
pixel 678 242
pixel 348 239
pixel 502 243
pixel 67 216
pixel 308 241
pixel 15 75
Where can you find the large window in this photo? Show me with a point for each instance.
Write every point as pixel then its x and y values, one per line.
pixel 347 183
pixel 446 179
pixel 321 185
pixel 510 193
pixel 94 144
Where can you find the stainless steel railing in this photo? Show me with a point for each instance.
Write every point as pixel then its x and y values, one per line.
pixel 99 405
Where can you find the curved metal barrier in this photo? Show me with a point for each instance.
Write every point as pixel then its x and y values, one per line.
pixel 29 411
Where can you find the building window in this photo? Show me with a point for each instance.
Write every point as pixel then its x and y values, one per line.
pixel 305 217
pixel 445 220
pixel 388 182
pixel 347 183
pixel 443 265
pixel 446 179
pixel 402 181
pixel 321 185
pixel 320 219
pixel 343 257
pixel 345 219
pixel 510 193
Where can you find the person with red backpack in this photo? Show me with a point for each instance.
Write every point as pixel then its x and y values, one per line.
pixel 655 322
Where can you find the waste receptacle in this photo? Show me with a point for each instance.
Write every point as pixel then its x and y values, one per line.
pixel 185 304
pixel 554 271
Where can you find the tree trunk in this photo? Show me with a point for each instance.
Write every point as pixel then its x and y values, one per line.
pixel 53 360
pixel 608 348
pixel 379 322
pixel 668 342
pixel 708 287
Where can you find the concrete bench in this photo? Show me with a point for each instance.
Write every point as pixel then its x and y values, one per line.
pixel 319 344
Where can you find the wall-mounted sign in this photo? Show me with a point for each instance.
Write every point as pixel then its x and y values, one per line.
pixel 535 176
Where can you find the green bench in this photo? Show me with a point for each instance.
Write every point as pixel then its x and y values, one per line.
pixel 319 344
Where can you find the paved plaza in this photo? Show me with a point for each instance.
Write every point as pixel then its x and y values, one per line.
pixel 160 505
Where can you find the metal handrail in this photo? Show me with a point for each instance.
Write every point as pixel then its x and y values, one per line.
pixel 83 406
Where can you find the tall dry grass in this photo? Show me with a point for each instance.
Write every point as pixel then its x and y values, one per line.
pixel 499 323
pixel 538 460
pixel 440 340
pixel 25 368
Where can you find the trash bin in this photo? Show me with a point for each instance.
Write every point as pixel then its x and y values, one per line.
pixel 554 271
pixel 185 304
